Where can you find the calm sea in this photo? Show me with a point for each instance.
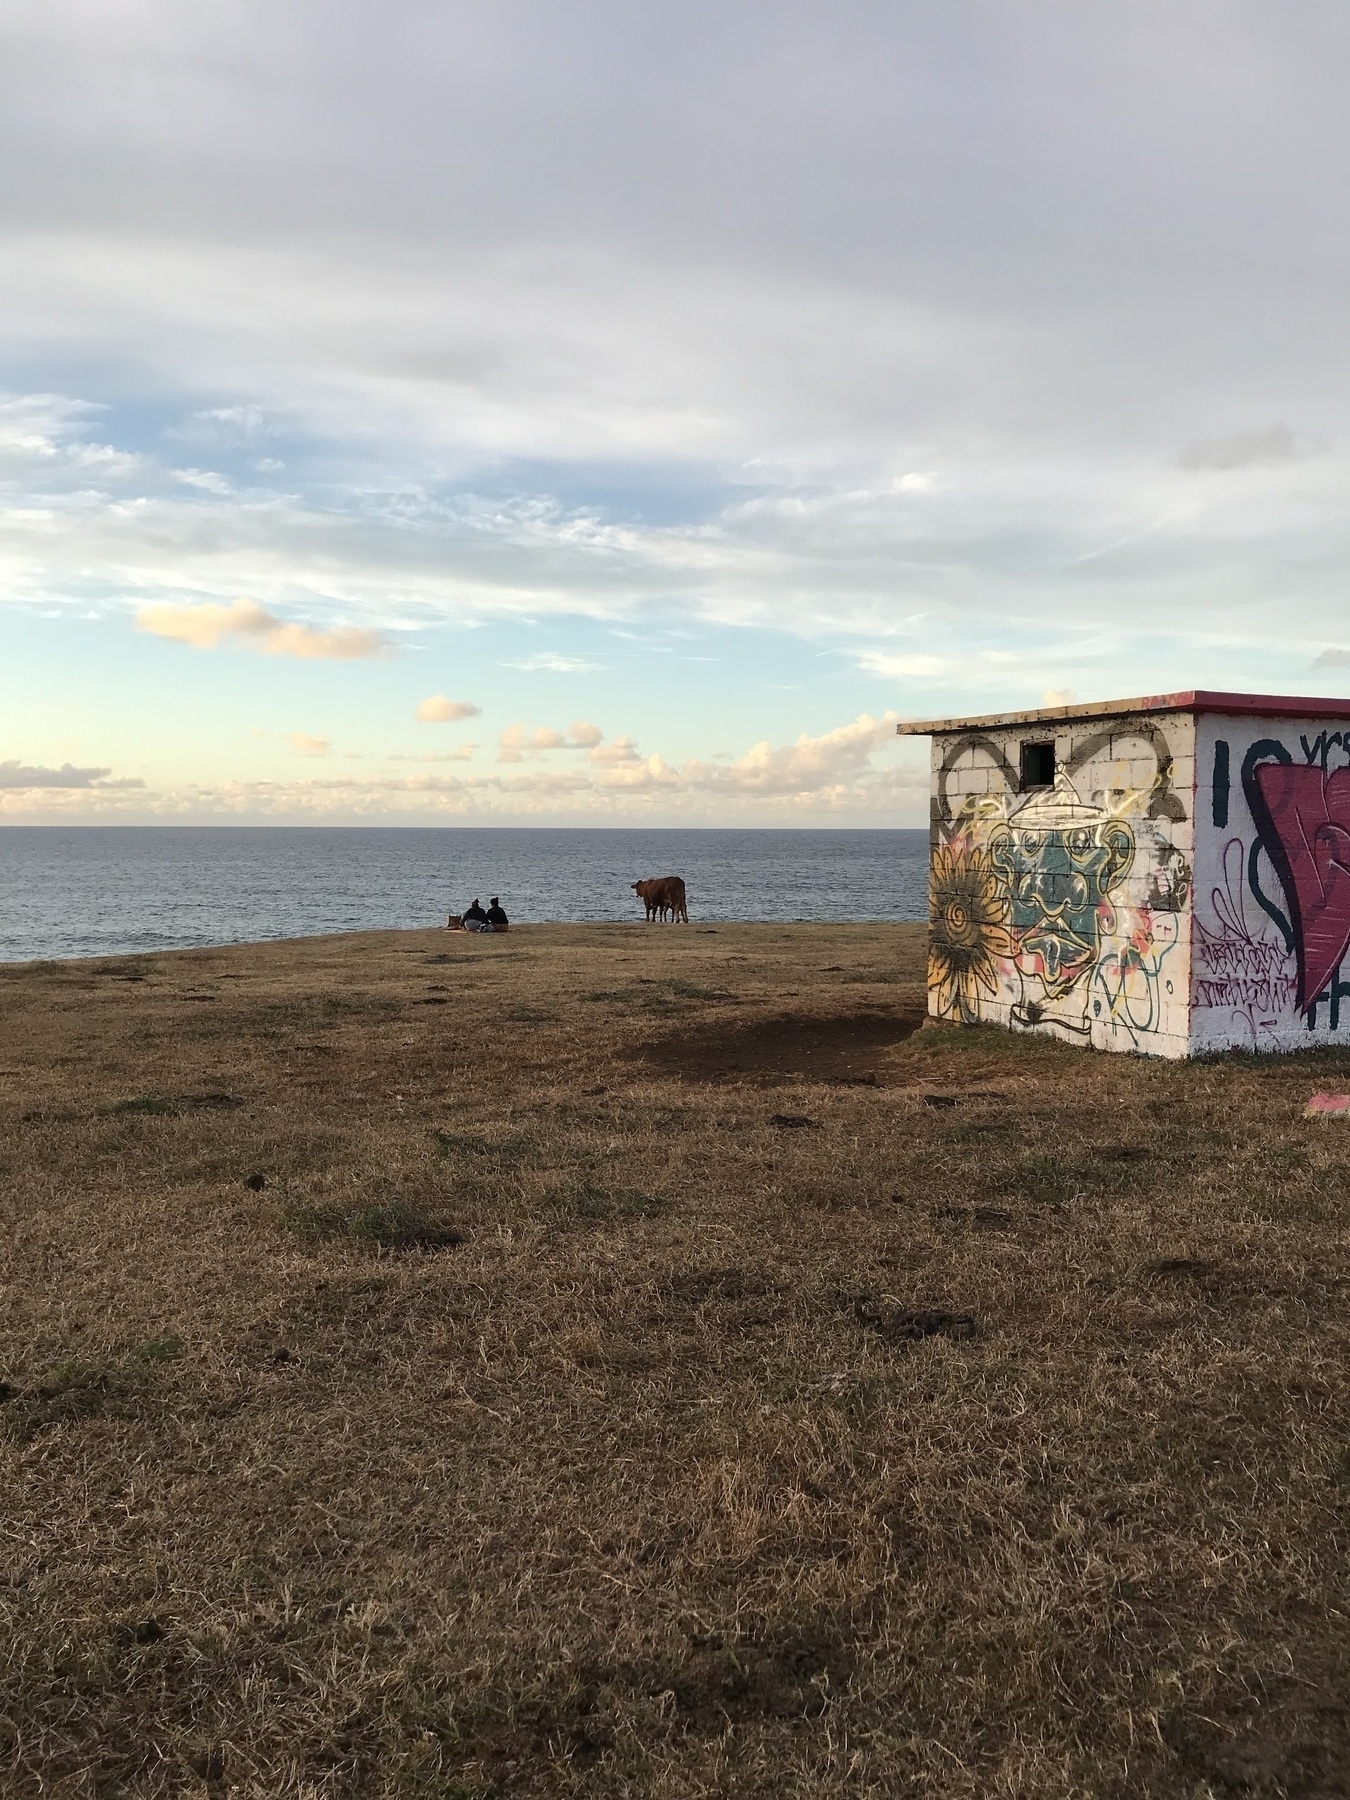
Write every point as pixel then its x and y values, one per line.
pixel 100 891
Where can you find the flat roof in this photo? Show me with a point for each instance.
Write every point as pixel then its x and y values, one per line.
pixel 1280 706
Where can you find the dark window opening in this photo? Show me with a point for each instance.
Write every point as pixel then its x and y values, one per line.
pixel 1038 765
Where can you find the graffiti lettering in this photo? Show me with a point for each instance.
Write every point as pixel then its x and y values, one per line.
pixel 1220 803
pixel 1238 959
pixel 1302 815
pixel 1269 993
pixel 1245 973
pixel 1338 991
pixel 1319 750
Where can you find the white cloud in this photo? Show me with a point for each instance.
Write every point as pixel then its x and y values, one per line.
pixel 206 626
pixel 621 752
pixel 206 479
pixel 810 766
pixel 1058 697
pixel 437 709
pixel 40 426
pixel 806 395
pixel 304 745
pixel 557 664
pixel 247 421
pixel 901 666
pixel 463 753
pixel 858 770
pixel 517 741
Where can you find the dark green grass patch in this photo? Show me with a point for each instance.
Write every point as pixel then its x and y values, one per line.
pixel 461 1143
pixel 604 1203
pixel 1045 1181
pixel 388 1225
pixel 177 1103
pixel 76 1389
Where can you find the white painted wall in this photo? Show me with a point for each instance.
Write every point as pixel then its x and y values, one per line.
pixel 1245 973
pixel 1113 974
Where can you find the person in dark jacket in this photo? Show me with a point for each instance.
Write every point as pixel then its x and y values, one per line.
pixel 476 919
pixel 496 918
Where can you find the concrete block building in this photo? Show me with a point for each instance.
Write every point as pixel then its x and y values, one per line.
pixel 1169 875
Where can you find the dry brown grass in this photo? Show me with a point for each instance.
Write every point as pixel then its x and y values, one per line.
pixel 653 1484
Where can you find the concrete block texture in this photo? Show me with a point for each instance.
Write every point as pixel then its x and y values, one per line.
pixel 1183 887
pixel 1065 909
pixel 1272 883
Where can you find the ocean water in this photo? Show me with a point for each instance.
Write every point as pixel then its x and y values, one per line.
pixel 105 890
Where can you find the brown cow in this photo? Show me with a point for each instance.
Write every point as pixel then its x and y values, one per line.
pixel 665 894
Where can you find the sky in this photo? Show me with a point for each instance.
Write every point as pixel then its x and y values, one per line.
pixel 624 412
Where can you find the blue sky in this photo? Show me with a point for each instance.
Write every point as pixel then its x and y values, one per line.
pixel 678 395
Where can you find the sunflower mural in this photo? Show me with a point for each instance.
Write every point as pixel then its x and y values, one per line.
pixel 968 913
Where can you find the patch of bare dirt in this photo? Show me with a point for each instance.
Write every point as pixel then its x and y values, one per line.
pixel 848 1048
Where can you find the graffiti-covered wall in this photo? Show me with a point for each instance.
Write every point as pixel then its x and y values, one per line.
pixel 1061 880
pixel 1272 883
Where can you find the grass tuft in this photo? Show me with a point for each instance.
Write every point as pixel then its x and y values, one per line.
pixel 177 1103
pixel 605 1203
pixel 388 1225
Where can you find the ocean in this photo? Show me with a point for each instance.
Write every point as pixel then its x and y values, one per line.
pixel 107 890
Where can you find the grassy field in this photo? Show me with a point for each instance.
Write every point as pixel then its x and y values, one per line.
pixel 637 1361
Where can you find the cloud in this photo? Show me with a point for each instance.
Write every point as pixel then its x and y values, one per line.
pixel 556 664
pixel 463 753
pixel 810 766
pixel 206 626
pixel 439 710
pixel 304 745
pixel 1333 659
pixel 207 480
pixel 14 774
pixel 596 383
pixel 1267 447
pixel 621 752
pixel 859 770
pixel 516 741
pixel 1058 697
pixel 903 667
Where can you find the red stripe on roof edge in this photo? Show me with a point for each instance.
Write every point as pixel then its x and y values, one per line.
pixel 1198 700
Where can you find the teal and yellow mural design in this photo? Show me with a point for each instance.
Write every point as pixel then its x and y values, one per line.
pixel 1057 908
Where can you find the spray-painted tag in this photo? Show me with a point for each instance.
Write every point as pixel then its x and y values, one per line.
pixel 1327 1106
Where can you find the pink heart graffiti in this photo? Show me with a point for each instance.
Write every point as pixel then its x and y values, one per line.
pixel 1306 833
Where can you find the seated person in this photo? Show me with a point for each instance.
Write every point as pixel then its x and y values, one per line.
pixel 476 919
pixel 496 918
